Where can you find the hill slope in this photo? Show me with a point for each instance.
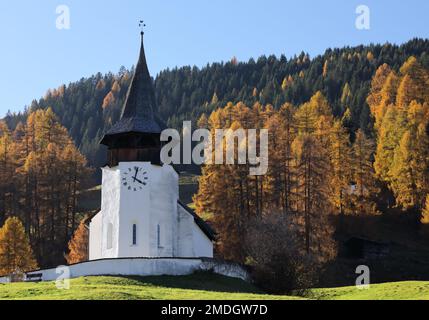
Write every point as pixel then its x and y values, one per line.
pixel 87 108
pixel 412 290
pixel 196 287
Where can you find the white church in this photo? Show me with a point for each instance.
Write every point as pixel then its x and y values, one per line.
pixel 142 229
pixel 141 215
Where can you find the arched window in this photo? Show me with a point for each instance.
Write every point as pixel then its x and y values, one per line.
pixel 134 234
pixel 110 236
pixel 159 235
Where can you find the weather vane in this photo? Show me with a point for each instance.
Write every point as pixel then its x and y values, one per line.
pixel 142 25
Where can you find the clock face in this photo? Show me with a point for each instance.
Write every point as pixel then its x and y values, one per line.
pixel 134 178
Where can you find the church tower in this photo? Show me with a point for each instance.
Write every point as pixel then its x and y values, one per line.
pixel 136 136
pixel 141 215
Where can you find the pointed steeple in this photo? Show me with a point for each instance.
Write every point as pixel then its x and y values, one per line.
pixel 138 111
pixel 141 97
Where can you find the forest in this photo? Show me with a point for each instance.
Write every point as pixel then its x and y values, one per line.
pixel 41 175
pixel 321 171
pixel 348 138
pixel 88 107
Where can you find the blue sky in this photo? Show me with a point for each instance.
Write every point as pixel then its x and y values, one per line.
pixel 36 56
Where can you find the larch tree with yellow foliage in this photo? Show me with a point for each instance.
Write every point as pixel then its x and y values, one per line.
pixel 78 245
pixel 363 175
pixel 419 80
pixel 424 220
pixel 340 155
pixel 310 150
pixel 312 192
pixel 16 255
pixel 405 92
pixel 377 83
pixel 41 175
pixel 410 168
pixel 425 213
pixel 287 174
pixel 401 112
pixel 346 96
pixel 389 135
pixel 325 68
pixel 7 170
pixel 383 93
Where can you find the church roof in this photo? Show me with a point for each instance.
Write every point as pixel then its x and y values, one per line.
pixel 138 111
pixel 204 226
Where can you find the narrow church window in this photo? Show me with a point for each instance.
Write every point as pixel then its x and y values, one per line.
pixel 159 236
pixel 134 234
pixel 110 236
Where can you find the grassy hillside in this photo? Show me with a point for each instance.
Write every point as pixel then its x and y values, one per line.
pixel 196 287
pixel 412 290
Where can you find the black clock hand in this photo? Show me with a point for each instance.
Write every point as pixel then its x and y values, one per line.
pixel 139 181
pixel 135 176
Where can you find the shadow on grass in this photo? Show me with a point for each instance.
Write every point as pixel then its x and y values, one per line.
pixel 199 281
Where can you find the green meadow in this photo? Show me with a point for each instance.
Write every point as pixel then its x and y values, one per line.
pixel 196 287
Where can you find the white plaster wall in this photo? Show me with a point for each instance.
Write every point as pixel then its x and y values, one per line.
pixel 192 240
pixel 128 267
pixel 185 233
pixel 135 208
pixel 164 192
pixel 95 237
pixel 110 206
pixel 145 267
pixel 203 246
pixel 227 269
pixel 156 204
pixel 4 280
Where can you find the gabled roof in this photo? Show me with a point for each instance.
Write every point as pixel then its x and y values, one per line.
pixel 138 111
pixel 88 219
pixel 205 228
